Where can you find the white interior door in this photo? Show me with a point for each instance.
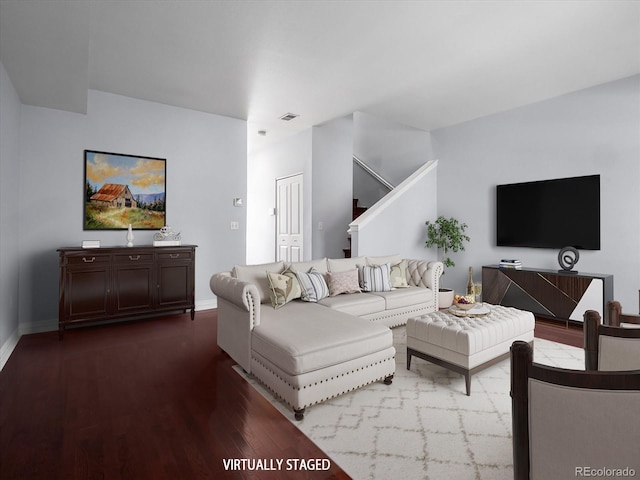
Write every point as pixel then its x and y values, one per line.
pixel 289 218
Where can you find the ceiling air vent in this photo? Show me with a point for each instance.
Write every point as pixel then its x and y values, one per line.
pixel 287 117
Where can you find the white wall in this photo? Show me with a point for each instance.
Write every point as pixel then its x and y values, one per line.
pixel 332 187
pixel 593 131
pixel 206 169
pixel 288 157
pixel 396 224
pixel 393 150
pixel 9 217
pixel 324 155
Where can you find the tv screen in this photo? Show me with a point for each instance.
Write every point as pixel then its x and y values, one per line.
pixel 550 213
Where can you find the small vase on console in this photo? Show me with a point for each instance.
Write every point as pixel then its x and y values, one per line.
pixel 130 237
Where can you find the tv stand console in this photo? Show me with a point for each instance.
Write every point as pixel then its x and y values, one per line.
pixel 548 293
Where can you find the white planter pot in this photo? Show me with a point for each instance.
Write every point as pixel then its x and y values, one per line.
pixel 445 298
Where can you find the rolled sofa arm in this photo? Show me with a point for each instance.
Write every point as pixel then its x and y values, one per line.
pixel 242 294
pixel 238 314
pixel 423 273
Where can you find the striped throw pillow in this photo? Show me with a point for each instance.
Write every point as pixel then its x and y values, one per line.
pixel 375 278
pixel 313 285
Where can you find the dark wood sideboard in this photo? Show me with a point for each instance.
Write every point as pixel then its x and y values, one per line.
pixel 548 293
pixel 111 283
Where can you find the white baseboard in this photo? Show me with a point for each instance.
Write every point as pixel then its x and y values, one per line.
pixel 40 326
pixel 207 304
pixel 7 347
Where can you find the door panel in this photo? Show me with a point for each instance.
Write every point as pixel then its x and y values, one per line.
pixel 289 222
pixel 295 254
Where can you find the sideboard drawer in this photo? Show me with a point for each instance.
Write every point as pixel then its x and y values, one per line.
pixel 176 255
pixel 133 258
pixel 87 259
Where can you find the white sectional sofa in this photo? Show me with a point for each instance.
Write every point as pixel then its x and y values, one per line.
pixel 306 352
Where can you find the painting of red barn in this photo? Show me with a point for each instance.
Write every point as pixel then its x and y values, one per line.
pixel 124 189
pixel 113 195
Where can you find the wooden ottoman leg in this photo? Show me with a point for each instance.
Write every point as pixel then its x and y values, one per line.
pixel 299 413
pixel 467 381
pixel 408 359
pixel 388 380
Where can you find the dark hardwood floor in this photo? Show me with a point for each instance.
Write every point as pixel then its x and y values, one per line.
pixel 154 399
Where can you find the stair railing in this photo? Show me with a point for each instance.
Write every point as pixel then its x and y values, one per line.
pixel 373 173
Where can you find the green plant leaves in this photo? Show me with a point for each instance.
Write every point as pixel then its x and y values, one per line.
pixel 448 234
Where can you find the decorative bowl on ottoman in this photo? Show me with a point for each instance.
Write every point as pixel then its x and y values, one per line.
pixel 464 302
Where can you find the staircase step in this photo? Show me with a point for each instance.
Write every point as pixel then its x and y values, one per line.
pixel 359 211
pixel 356 210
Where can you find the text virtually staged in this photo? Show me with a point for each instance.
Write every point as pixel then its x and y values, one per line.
pixel 276 464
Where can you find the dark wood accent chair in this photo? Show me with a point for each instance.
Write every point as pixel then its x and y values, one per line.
pixel 617 318
pixel 566 421
pixel 609 348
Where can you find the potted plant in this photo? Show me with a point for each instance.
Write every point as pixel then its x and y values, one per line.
pixel 448 234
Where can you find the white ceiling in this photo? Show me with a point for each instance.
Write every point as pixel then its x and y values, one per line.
pixel 426 64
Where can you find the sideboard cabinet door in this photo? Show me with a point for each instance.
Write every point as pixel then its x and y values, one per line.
pixel 175 279
pixel 133 282
pixel 85 288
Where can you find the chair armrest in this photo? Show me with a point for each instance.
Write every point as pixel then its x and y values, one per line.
pixel 590 328
pixel 616 317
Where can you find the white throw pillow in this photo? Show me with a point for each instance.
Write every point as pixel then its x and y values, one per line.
pixel 399 275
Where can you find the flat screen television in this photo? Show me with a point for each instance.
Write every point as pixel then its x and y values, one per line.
pixel 554 213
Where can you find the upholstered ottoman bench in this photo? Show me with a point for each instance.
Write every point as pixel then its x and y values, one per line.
pixel 467 344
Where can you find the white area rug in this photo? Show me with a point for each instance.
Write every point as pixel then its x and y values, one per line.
pixel 423 426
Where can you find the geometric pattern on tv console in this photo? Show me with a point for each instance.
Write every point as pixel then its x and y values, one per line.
pixel 546 294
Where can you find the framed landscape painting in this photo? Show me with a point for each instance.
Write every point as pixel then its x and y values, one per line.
pixel 124 189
